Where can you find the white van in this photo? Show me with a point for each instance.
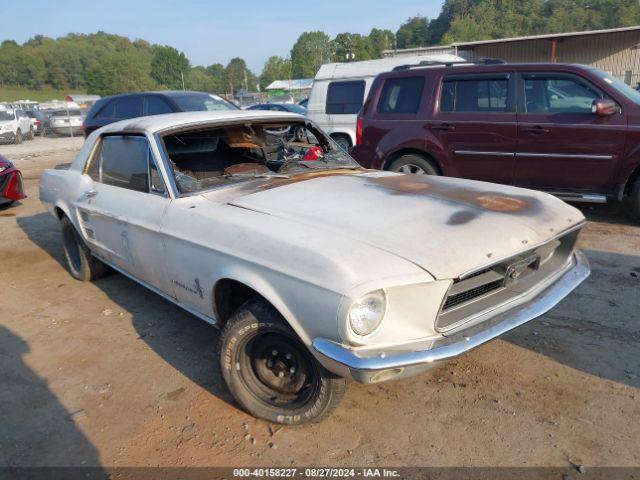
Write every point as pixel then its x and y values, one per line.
pixel 339 90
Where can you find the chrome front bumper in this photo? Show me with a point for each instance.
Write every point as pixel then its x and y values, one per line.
pixel 380 365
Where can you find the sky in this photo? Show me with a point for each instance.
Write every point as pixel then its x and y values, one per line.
pixel 209 31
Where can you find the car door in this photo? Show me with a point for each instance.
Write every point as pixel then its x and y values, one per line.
pixel 562 145
pixel 24 122
pixel 474 123
pixel 121 214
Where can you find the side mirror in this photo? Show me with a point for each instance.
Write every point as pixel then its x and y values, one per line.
pixel 603 107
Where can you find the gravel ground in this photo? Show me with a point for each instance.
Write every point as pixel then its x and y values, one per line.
pixel 107 373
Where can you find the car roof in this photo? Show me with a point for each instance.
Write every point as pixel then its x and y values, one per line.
pixel 156 123
pixel 164 93
pixel 463 68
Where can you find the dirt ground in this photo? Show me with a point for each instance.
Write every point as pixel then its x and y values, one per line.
pixel 110 374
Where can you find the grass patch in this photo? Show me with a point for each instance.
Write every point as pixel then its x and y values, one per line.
pixel 10 94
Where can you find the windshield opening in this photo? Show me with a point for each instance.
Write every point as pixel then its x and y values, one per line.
pixel 211 157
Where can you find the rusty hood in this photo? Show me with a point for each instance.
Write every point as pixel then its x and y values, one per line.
pixel 447 226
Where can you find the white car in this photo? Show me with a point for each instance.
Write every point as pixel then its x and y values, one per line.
pixel 315 269
pixel 15 126
pixel 66 122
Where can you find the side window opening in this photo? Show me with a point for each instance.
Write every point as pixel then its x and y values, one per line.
pixel 557 94
pixel 401 95
pixel 124 162
pixel 157 106
pixel 475 95
pixel 345 98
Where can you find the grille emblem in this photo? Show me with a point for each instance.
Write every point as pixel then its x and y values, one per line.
pixel 516 270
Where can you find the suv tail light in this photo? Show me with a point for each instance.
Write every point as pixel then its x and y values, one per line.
pixel 359 130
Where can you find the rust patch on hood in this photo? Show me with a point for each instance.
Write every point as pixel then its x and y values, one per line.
pixel 479 199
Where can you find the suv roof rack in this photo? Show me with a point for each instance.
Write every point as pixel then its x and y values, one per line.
pixel 434 63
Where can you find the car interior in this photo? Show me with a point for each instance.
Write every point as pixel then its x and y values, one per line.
pixel 206 158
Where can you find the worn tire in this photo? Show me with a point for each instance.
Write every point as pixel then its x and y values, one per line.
pixel 343 142
pixel 635 200
pixel 17 140
pixel 82 264
pixel 31 135
pixel 415 164
pixel 256 335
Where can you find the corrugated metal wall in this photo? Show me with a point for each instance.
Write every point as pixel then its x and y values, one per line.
pixel 615 52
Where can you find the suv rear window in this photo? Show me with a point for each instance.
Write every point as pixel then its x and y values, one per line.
pixel 345 97
pixel 401 95
pixel 475 95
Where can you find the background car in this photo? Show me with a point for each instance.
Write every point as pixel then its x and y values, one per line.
pixel 569 130
pixel 119 107
pixel 11 188
pixel 280 107
pixel 66 122
pixel 15 126
pixel 38 119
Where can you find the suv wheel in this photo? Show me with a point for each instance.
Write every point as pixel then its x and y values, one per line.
pixel 415 164
pixel 18 137
pixel 31 134
pixel 270 372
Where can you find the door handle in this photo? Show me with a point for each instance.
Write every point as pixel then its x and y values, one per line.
pixel 443 127
pixel 90 193
pixel 537 130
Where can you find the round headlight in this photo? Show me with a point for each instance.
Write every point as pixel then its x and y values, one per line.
pixel 367 312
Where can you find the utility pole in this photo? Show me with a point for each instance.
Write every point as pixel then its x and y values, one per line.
pixel 182 77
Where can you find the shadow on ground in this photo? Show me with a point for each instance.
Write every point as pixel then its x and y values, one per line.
pixel 48 435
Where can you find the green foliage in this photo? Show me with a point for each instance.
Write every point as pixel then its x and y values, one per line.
pixel 413 33
pixel 238 76
pixel 350 47
pixel 168 66
pixel 311 50
pixel 276 68
pixel 380 40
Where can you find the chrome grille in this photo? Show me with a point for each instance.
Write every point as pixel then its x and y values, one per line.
pixel 499 283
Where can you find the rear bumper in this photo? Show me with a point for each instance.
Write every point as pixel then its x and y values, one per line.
pixel 381 365
pixel 77 131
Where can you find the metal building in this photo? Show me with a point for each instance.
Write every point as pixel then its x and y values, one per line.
pixel 614 50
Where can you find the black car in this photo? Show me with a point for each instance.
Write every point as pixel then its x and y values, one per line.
pixel 129 105
pixel 280 107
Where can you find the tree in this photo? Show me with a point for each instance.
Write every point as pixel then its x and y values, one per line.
pixel 238 76
pixel 168 66
pixel 380 40
pixel 275 68
pixel 216 72
pixel 311 50
pixel 413 33
pixel 350 47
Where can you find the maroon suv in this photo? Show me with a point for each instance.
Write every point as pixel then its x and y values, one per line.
pixel 570 130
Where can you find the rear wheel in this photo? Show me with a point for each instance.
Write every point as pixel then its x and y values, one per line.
pixel 415 164
pixel 18 138
pixel 270 372
pixel 82 264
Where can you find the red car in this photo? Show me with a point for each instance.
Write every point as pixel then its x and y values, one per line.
pixel 10 182
pixel 570 130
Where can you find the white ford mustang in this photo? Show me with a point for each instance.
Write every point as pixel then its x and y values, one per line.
pixel 316 269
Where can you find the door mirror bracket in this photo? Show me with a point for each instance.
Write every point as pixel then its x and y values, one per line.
pixel 604 107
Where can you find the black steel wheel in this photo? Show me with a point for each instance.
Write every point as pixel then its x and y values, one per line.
pixel 270 372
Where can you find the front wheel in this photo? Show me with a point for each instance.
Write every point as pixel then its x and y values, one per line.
pixel 270 372
pixel 415 164
pixel 18 138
